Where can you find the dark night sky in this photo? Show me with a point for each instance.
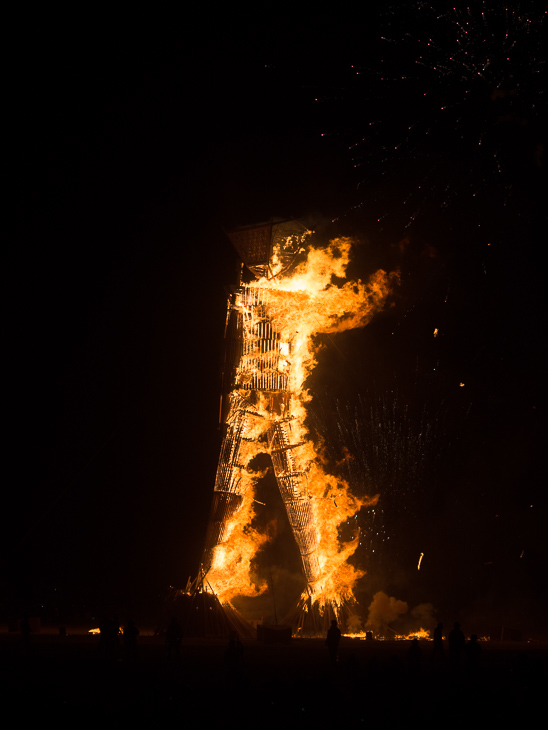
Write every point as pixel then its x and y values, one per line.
pixel 131 149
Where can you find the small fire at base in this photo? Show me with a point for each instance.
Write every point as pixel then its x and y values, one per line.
pixel 269 353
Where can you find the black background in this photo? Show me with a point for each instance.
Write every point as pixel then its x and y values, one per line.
pixel 131 144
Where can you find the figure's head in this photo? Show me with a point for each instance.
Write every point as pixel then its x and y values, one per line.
pixel 270 249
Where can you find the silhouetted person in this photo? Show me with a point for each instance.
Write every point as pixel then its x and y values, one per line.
pixel 456 644
pixel 332 641
pixel 472 652
pixel 439 652
pixel 131 632
pixel 414 656
pixel 235 651
pixel 174 637
pixel 110 640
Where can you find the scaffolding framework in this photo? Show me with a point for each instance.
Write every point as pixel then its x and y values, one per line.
pixel 258 372
pixel 299 291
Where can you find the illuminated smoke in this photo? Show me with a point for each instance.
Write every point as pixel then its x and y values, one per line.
pixel 384 610
pixel 425 614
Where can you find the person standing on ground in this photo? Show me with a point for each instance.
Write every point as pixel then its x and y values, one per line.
pixel 456 644
pixel 332 641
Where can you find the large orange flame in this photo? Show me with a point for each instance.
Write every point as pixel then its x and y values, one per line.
pixel 314 298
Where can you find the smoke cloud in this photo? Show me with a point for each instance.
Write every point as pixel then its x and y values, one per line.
pixel 425 613
pixel 354 624
pixel 385 610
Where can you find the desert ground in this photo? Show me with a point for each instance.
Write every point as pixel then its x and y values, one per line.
pixel 70 680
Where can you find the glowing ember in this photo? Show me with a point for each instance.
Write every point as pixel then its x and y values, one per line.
pixel 271 351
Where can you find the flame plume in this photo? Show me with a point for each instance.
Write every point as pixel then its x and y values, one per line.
pixel 270 330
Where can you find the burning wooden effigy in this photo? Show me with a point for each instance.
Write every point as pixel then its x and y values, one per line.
pixel 298 291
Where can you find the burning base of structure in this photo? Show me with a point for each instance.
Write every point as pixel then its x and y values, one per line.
pixel 309 618
pixel 299 291
pixel 201 613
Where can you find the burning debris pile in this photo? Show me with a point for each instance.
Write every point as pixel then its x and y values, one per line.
pixel 299 291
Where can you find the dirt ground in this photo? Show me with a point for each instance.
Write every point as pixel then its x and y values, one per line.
pixel 70 681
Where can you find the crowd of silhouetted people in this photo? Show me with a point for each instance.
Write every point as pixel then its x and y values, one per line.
pixel 461 653
pixel 334 673
pixel 451 653
pixel 116 642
